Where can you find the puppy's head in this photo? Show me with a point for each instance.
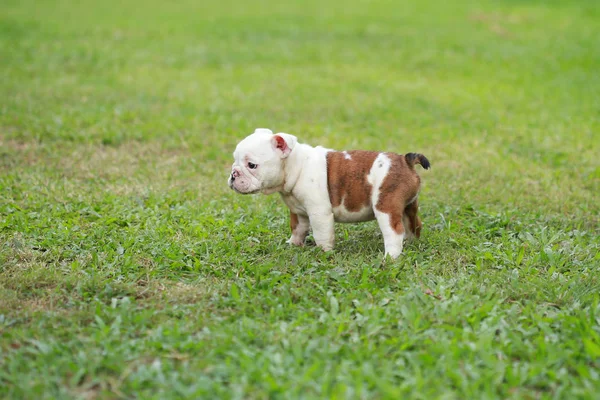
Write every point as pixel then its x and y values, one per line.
pixel 259 161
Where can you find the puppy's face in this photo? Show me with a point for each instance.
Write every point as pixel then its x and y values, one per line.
pixel 259 161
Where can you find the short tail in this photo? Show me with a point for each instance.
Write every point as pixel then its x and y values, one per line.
pixel 416 158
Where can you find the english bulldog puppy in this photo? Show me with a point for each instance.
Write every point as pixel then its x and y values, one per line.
pixel 322 186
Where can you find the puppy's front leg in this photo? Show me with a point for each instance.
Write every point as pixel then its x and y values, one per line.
pixel 300 226
pixel 322 226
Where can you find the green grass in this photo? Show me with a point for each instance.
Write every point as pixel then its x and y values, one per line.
pixel 128 269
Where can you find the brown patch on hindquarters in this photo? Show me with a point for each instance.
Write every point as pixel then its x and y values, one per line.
pixel 347 181
pixel 398 192
pixel 347 178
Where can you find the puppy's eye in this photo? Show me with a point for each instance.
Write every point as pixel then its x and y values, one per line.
pixel 252 165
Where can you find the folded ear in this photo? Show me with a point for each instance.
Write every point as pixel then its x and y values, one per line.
pixel 284 143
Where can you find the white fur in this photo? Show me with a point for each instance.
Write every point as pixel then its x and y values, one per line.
pixel 379 170
pixel 393 241
pixel 259 148
pixel 300 176
pixel 341 214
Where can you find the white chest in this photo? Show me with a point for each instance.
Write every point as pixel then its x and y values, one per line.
pixel 294 205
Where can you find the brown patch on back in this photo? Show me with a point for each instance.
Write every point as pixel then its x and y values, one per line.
pixel 347 178
pixel 399 188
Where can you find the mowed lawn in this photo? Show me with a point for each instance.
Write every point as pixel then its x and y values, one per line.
pixel 128 269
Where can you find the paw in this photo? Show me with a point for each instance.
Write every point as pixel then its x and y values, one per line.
pixel 296 241
pixel 393 253
pixel 325 247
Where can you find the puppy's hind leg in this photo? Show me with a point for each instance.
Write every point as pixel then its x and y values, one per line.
pixel 412 222
pixel 300 226
pixel 393 232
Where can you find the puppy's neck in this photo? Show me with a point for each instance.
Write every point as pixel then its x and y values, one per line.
pixel 291 169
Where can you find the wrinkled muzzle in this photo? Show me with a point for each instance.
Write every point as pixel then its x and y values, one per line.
pixel 241 183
